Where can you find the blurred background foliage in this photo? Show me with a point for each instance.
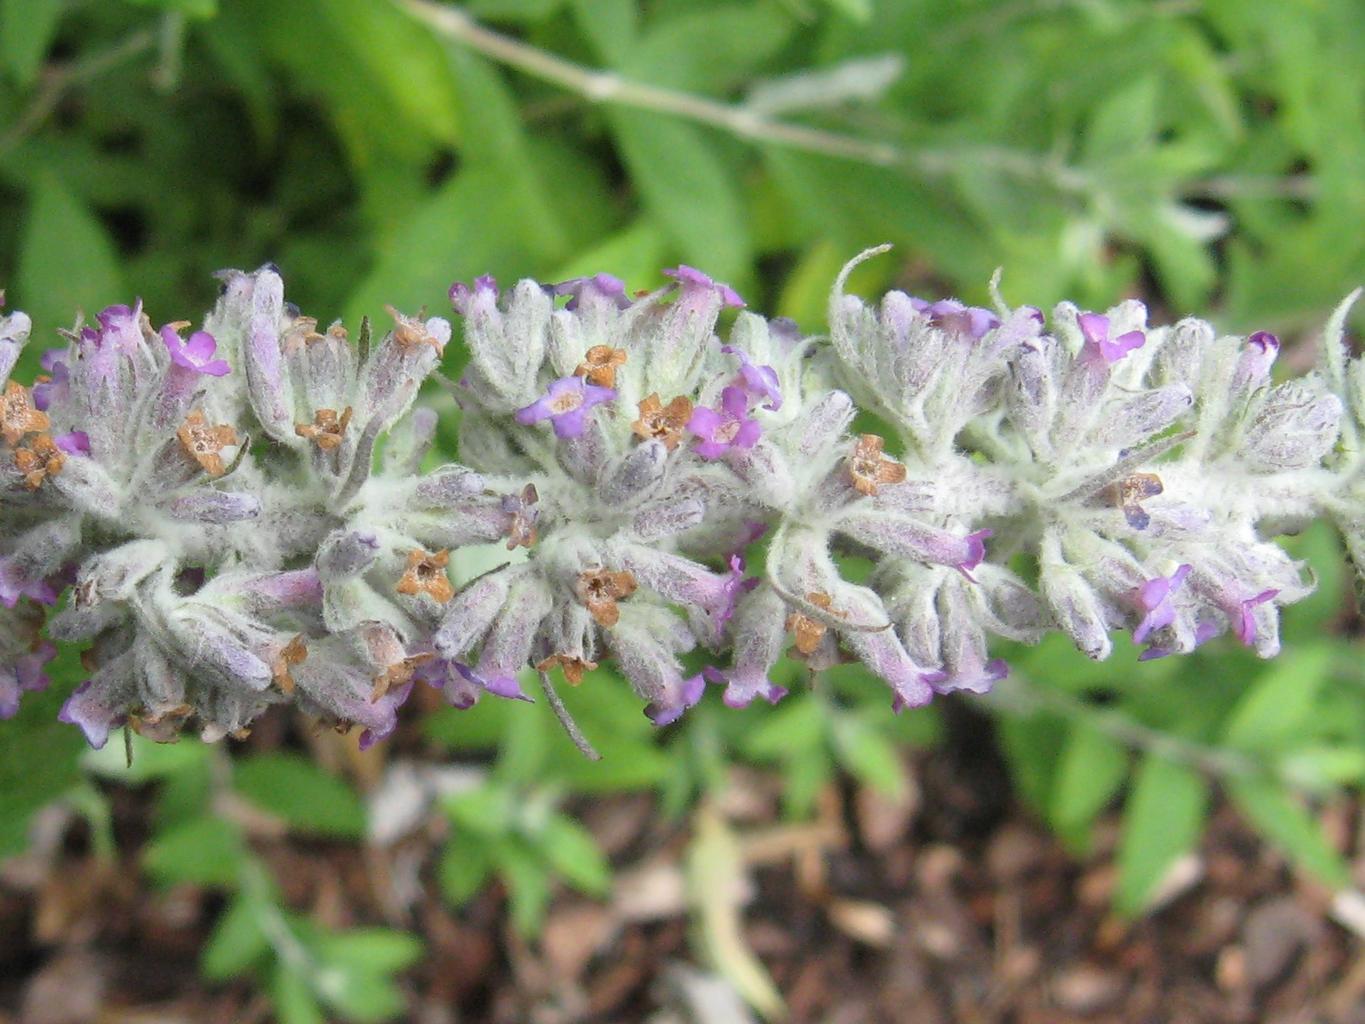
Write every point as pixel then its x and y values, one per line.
pixel 1204 155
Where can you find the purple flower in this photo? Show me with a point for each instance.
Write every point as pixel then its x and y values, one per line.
pixel 85 709
pixel 16 584
pixel 45 392
pixel 464 298
pixel 1098 345
pixel 500 684
pixel 1253 366
pixel 976 552
pixel 26 675
pixel 1204 631
pixel 758 381
pixel 77 442
pixel 600 286
pixel 666 712
pixel 725 428
pixel 1154 599
pixel 956 317
pixel 195 354
pixel 734 587
pixel 741 686
pixel 1243 622
pixel 693 280
pixel 566 405
pixel 118 336
pixel 387 710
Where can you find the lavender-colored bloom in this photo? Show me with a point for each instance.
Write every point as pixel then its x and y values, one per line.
pixel 1241 616
pixel 463 298
pixel 46 392
pixel 758 381
pixel 956 317
pixel 90 709
pixel 195 353
pixel 663 713
pixel 604 287
pixel 566 405
pixel 76 442
pixel 1204 631
pixel 1153 598
pixel 1099 347
pixel 693 280
pixel 25 675
pixel 725 428
pixel 500 684
pixel 16 584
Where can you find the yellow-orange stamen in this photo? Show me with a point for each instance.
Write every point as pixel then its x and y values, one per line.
pixel 426 574
pixel 599 365
pixel 659 422
pixel 205 443
pixel 869 468
pixel 600 589
pixel 327 429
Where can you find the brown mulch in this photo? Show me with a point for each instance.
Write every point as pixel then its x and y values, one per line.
pixel 950 905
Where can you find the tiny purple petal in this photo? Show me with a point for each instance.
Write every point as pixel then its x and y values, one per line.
pixel 77 442
pixel 976 552
pixel 1098 345
pixel 1154 598
pixel 692 278
pixel 196 354
pixel 692 689
pixel 604 286
pixel 1246 626
pixel 758 381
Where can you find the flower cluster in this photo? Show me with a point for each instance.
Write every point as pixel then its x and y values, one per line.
pixel 250 514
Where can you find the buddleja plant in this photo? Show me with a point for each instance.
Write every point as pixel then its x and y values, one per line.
pixel 239 517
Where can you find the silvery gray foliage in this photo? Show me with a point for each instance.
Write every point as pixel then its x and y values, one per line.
pixel 249 516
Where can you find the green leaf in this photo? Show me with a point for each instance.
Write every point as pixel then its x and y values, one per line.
pixel 39 756
pixel 300 792
pixel 608 25
pixel 151 760
pixel 868 754
pixel 709 49
pixel 797 724
pixel 485 811
pixel 688 190
pixel 573 852
pixel 66 261
pixel 469 226
pixel 237 941
pixel 293 996
pixel 1278 707
pixel 1285 822
pixel 377 950
pixel 528 885
pixel 1162 820
pixel 464 868
pixel 203 851
pixel 27 28
pixel 1090 771
pixel 191 8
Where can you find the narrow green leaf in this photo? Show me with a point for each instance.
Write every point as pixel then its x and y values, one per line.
pixel 293 997
pixel 573 852
pixel 27 28
pixel 1280 703
pixel 203 851
pixel 1162 820
pixel 237 941
pixel 66 262
pixel 464 867
pixel 191 8
pixel 1285 822
pixel 377 950
pixel 706 50
pixel 528 885
pixel 301 793
pixel 1091 769
pixel 868 754
pixel 688 190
